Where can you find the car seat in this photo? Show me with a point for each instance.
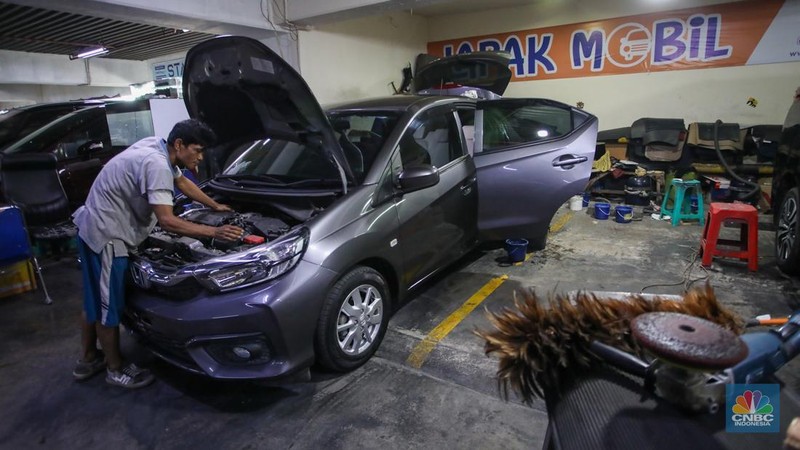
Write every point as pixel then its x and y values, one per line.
pixel 31 183
pixel 353 154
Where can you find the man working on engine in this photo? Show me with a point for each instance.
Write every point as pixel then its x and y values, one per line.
pixel 131 193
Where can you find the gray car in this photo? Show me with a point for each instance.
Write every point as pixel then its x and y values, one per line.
pixel 346 211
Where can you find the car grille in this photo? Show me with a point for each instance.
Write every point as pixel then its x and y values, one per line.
pixel 184 290
pixel 159 342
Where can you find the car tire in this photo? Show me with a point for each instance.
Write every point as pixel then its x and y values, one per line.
pixel 787 233
pixel 353 320
pixel 538 242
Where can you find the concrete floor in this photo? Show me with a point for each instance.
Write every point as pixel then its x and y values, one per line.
pixel 450 400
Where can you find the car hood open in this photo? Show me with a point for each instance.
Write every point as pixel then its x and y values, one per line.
pixel 483 70
pixel 244 90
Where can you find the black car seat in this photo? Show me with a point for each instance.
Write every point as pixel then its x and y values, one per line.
pixel 30 182
pixel 353 154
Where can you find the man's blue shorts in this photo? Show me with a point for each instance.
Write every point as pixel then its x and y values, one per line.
pixel 103 284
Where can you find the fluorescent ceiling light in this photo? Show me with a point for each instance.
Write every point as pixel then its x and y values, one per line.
pixel 89 52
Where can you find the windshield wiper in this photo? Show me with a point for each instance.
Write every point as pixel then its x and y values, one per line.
pixel 259 179
pixel 315 182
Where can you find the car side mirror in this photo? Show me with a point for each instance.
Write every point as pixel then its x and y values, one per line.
pixel 418 176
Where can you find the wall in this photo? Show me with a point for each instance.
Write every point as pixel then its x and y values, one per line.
pixel 695 95
pixel 27 78
pixel 358 58
pixel 41 68
pixel 12 95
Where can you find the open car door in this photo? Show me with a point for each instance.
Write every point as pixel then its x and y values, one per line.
pixel 531 156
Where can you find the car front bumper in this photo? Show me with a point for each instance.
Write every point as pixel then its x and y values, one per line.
pixel 264 331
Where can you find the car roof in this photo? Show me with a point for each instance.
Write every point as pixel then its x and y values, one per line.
pixel 53 105
pixel 397 103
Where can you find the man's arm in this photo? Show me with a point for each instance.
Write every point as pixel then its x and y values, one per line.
pixel 173 224
pixel 195 193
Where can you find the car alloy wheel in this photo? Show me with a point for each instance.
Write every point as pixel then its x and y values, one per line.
pixel 786 234
pixel 359 320
pixel 353 320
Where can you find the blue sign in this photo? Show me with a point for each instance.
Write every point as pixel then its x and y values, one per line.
pixel 752 408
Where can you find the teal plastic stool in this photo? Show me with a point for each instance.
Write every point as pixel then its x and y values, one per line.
pixel 681 209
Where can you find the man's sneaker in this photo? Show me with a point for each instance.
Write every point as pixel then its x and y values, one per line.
pixel 87 369
pixel 129 376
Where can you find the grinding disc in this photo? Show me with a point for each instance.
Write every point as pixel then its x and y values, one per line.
pixel 688 341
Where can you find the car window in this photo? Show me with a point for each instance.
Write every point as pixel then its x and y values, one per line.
pixel 432 138
pixel 388 182
pixel 467 119
pixel 82 141
pixel 16 124
pixel 68 136
pixel 508 124
pixel 361 136
pixel 129 127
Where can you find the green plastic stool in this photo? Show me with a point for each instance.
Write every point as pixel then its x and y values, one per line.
pixel 678 211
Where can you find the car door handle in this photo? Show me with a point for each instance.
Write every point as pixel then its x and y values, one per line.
pixel 466 188
pixel 569 160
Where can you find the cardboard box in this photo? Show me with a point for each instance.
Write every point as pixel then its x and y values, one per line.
pixel 17 278
pixel 616 150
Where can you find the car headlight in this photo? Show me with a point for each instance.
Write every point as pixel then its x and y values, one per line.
pixel 262 263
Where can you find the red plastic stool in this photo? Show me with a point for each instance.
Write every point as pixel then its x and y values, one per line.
pixel 718 214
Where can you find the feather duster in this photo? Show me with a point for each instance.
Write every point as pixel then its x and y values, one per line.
pixel 538 346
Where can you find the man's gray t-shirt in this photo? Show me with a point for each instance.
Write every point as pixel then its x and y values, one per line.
pixel 117 209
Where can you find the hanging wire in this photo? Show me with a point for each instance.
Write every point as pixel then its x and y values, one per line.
pixel 285 23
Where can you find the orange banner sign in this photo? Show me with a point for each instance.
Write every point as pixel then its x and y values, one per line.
pixel 726 35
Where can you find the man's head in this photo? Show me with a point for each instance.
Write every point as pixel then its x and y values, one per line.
pixel 189 138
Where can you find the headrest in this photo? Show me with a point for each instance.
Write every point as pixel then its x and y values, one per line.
pixel 28 161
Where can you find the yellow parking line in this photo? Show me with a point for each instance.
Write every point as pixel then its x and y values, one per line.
pixel 560 222
pixel 420 353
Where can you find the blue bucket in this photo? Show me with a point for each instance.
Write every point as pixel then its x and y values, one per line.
pixel 602 210
pixel 693 204
pixel 623 214
pixel 587 197
pixel 516 249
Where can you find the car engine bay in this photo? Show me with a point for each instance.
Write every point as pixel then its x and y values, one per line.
pixel 173 250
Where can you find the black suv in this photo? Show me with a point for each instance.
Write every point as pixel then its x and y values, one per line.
pixel 83 140
pixel 19 122
pixel 786 193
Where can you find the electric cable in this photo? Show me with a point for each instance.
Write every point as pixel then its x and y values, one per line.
pixel 687 281
pixel 756 187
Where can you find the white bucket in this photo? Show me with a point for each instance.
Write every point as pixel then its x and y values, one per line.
pixel 576 203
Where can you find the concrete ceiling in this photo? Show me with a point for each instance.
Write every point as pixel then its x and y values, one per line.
pixel 39 30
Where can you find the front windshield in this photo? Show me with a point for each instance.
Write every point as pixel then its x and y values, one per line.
pixel 278 162
pixel 283 162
